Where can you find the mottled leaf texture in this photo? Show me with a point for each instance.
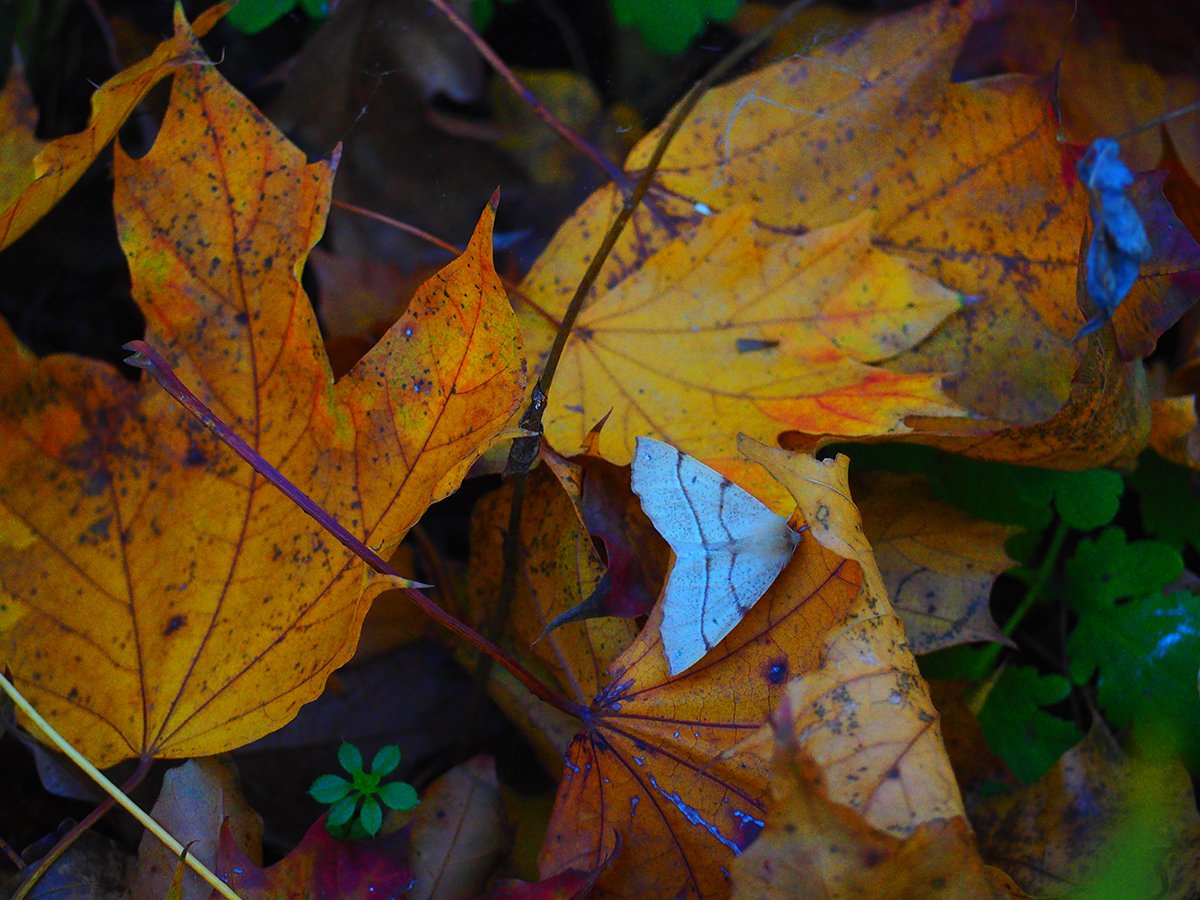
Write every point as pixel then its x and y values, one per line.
pixel 938 563
pixel 735 325
pixel 158 597
pixel 812 847
pixel 865 715
pixel 647 769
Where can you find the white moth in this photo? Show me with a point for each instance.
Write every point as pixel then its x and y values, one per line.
pixel 729 548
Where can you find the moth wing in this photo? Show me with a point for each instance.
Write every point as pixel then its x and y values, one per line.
pixel 709 592
pixel 691 504
pixel 728 546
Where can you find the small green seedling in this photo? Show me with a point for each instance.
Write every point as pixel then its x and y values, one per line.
pixel 354 805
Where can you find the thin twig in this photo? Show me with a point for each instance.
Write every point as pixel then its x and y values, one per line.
pixel 615 172
pixel 525 449
pixel 145 357
pixel 402 226
pixel 12 854
pixel 112 790
pixel 445 245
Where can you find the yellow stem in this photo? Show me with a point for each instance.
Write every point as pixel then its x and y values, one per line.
pixel 113 791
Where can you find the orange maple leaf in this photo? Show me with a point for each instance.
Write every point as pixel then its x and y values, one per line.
pixel 159 597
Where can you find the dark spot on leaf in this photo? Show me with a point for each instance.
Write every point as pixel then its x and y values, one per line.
pixel 174 625
pixel 777 671
pixel 96 484
pixel 241 318
pixel 749 345
pixel 195 457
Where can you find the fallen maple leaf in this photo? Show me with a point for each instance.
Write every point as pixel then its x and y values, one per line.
pixel 648 763
pixel 648 770
pixel 736 326
pixel 160 598
pixel 873 122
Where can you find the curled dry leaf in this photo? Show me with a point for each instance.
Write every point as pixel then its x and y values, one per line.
pixel 812 847
pixel 865 715
pixel 938 563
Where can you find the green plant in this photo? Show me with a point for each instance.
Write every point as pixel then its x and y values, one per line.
pixel 1099 579
pixel 667 26
pixel 354 805
pixel 252 16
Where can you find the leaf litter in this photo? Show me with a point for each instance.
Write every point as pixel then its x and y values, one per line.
pixel 941 307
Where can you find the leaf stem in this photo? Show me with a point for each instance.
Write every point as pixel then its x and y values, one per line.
pixel 615 172
pixel 743 51
pixel 145 357
pixel 112 790
pixel 444 245
pixel 1037 587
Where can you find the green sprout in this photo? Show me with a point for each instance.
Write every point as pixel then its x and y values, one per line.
pixel 354 805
